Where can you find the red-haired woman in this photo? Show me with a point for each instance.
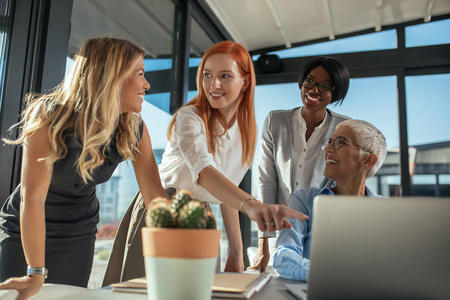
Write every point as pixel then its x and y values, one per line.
pixel 212 142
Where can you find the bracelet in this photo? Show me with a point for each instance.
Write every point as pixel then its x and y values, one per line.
pixel 37 271
pixel 243 202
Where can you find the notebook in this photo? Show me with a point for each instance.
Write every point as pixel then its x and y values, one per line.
pixel 226 285
pixel 236 285
pixel 380 248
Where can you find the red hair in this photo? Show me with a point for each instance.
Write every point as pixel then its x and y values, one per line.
pixel 245 113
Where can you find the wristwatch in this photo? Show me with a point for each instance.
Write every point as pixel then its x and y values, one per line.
pixel 37 271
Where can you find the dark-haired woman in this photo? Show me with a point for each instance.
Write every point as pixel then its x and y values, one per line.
pixel 290 156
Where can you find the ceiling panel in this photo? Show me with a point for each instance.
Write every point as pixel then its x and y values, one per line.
pixel 256 26
pixel 148 23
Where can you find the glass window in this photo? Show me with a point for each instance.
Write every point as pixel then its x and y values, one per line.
pixel 200 42
pixel 429 134
pixel 428 109
pixel 374 100
pixel 5 22
pixel 159 100
pixel 191 94
pixel 194 62
pixel 156 64
pixel 433 33
pixel 148 24
pixel 367 42
pixel 157 121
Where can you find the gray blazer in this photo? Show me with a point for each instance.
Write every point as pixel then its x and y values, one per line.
pixel 276 183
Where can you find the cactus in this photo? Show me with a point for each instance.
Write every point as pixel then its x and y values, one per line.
pixel 160 215
pixel 179 200
pixel 158 200
pixel 193 215
pixel 184 212
pixel 211 221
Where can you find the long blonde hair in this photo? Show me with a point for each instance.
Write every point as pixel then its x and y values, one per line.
pixel 245 113
pixel 88 104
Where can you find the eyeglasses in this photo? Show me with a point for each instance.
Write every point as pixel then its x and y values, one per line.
pixel 323 87
pixel 339 142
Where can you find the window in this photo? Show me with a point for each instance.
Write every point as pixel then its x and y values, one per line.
pixel 200 42
pixel 367 42
pixel 5 6
pixel 428 109
pixel 429 134
pixel 157 119
pixel 433 33
pixel 157 64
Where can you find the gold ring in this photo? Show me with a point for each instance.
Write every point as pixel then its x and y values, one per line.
pixel 269 223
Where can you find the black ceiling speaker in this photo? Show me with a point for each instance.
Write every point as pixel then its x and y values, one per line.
pixel 268 63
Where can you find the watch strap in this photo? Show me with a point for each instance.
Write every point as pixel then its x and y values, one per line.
pixel 37 271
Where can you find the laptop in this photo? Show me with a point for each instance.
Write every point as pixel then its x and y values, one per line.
pixel 380 248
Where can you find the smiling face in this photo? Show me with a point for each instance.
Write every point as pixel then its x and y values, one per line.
pixel 133 89
pixel 345 164
pixel 312 99
pixel 222 83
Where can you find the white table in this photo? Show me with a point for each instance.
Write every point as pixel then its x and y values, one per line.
pixel 275 289
pixel 67 292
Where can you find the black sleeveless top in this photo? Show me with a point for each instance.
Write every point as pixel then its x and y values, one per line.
pixel 71 207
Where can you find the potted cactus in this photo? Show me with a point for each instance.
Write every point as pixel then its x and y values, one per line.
pixel 181 245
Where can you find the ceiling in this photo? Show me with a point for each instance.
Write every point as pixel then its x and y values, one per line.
pixel 148 23
pixel 256 24
pixel 260 24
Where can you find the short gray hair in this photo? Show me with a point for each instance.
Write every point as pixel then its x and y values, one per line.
pixel 369 137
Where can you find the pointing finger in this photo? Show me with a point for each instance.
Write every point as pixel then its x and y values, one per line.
pixel 290 213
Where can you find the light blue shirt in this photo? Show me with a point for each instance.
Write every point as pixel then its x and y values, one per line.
pixel 291 259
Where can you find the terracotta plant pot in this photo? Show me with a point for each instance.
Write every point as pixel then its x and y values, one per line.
pixel 180 263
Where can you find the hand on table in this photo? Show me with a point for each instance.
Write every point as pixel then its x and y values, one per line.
pixel 262 257
pixel 235 263
pixel 26 286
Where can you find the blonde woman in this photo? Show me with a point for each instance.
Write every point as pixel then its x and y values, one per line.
pixel 73 139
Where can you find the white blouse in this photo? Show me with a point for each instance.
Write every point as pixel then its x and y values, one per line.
pixel 187 154
pixel 303 161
